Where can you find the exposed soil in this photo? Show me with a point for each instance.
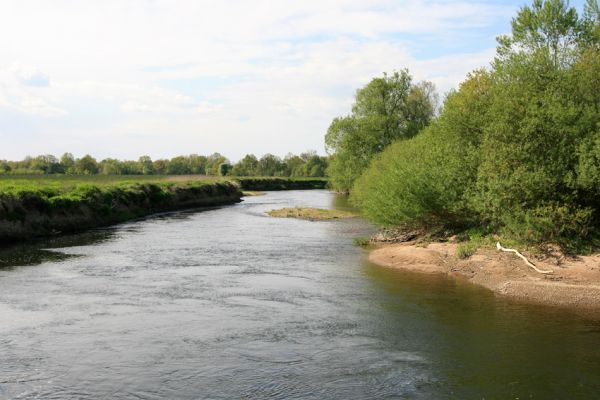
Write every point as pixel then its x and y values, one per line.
pixel 310 214
pixel 575 282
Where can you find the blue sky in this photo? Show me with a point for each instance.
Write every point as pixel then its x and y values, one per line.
pixel 122 78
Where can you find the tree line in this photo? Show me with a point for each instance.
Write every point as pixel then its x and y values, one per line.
pixel 307 164
pixel 515 151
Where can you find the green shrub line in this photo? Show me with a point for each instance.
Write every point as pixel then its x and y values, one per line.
pixel 515 151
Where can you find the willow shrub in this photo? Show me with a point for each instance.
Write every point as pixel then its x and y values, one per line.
pixel 516 151
pixel 428 179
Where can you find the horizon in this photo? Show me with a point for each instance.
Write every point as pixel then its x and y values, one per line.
pixel 121 80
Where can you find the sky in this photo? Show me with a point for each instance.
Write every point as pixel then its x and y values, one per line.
pixel 124 78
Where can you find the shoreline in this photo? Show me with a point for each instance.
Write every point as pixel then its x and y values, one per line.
pixel 574 284
pixel 33 216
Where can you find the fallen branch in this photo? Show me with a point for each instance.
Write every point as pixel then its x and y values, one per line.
pixel 499 247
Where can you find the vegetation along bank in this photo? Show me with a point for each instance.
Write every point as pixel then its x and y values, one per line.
pixel 42 205
pixel 512 156
pixel 29 210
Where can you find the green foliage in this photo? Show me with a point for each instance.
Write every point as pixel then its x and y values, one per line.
pixel 385 110
pixel 224 169
pixel 516 150
pixel 361 241
pixel 466 250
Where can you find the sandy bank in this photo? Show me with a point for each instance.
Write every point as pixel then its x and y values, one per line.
pixel 574 283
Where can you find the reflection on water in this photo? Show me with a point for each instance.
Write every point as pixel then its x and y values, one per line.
pixel 230 303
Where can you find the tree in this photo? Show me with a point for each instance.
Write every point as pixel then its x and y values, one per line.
pixel 270 165
pixel 146 166
pixel 516 151
pixel 178 166
pixel 224 169
pixel 160 166
pixel 213 162
pixel 110 166
pixel 67 162
pixel 315 166
pixel 247 166
pixel 86 165
pixel 197 164
pixel 385 110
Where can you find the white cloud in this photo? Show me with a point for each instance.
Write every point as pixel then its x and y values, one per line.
pixel 229 76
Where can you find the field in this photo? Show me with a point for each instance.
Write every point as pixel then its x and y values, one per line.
pixel 61 184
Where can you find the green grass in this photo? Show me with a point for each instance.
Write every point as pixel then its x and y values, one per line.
pixel 61 184
pixel 361 241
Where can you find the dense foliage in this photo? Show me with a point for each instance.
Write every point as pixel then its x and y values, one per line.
pixel 307 164
pixel 516 150
pixel 385 110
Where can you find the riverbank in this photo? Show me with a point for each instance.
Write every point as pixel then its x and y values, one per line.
pixel 34 206
pixel 574 283
pixel 27 213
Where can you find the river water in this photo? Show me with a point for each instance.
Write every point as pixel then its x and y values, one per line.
pixel 229 303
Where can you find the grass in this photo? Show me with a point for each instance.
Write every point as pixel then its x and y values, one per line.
pixel 310 214
pixel 60 184
pixel 361 241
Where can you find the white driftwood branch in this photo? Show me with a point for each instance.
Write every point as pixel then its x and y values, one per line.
pixel 499 247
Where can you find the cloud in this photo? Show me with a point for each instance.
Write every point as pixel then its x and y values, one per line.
pixel 34 79
pixel 235 76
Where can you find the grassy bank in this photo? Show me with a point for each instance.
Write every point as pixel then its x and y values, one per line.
pixel 42 206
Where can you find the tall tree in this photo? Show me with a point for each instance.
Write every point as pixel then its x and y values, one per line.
pixel 385 110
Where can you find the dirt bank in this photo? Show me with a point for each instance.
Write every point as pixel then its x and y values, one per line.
pixel 573 283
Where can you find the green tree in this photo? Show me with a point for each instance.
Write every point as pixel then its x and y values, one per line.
pixel 86 165
pixel 213 162
pixel 224 169
pixel 179 166
pixel 315 166
pixel 247 166
pixel 110 166
pixel 386 109
pixel 67 162
pixel 197 164
pixel 270 165
pixel 146 166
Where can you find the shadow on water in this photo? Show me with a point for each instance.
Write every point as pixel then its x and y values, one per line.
pixel 48 249
pixel 480 343
pixel 41 250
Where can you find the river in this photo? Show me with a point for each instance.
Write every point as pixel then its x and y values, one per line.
pixel 228 303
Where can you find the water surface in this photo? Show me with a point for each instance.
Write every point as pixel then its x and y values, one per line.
pixel 229 303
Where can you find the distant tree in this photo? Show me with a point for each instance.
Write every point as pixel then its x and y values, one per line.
pixel 67 162
pixel 315 166
pixel 213 162
pixel 179 166
pixel 4 167
pixel 86 165
pixel 247 166
pixel 294 165
pixel 146 166
pixel 110 166
pixel 224 169
pixel 270 165
pixel 197 164
pixel 160 166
